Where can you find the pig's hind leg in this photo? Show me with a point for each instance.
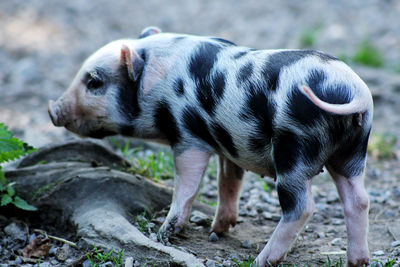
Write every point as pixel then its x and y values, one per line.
pixel 190 166
pixel 346 168
pixel 296 163
pixel 297 206
pixel 229 184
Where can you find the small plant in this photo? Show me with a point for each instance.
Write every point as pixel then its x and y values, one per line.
pixel 11 149
pixel 142 222
pixel 387 263
pixel 245 263
pixel 382 146
pixel 329 263
pixel 98 257
pixel 157 165
pixel 209 202
pixel 368 55
pixel 265 186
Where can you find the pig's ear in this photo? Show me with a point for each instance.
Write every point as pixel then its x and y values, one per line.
pixel 149 31
pixel 132 61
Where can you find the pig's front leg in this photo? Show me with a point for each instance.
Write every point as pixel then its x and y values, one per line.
pixel 229 184
pixel 190 167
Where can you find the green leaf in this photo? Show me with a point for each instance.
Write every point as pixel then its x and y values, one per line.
pixel 22 204
pixel 3 180
pixel 10 147
pixel 10 189
pixel 5 199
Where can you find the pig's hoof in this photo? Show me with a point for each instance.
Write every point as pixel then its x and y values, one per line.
pixel 166 230
pixel 213 237
pixel 163 237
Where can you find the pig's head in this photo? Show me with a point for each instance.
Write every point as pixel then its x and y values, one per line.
pixel 92 105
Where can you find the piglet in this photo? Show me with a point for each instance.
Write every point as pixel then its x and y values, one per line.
pixel 281 113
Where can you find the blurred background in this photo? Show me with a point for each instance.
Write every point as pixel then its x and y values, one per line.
pixel 43 43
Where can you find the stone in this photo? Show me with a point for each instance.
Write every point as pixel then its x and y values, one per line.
pixel 107 264
pixel 53 250
pixel 210 263
pixel 62 253
pixel 86 263
pixel 15 231
pixel 226 263
pixel 337 222
pixel 396 243
pixel 213 237
pixel 336 242
pixel 378 253
pixel 246 244
pixel 199 218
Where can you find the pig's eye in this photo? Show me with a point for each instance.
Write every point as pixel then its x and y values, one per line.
pixel 94 83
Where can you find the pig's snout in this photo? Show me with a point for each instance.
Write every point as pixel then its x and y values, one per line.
pixel 54 114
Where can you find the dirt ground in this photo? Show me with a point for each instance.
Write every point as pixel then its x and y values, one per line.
pixel 43 43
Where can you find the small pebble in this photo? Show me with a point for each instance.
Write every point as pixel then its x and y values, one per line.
pixel 227 263
pixel 199 218
pixel 379 253
pixel 396 243
pixel 62 253
pixel 337 222
pixel 213 237
pixel 53 250
pixel 107 264
pixel 129 262
pixel 210 263
pixel 246 244
pixel 336 242
pixel 375 264
pixel 86 263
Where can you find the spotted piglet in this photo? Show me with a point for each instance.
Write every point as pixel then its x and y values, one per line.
pixel 281 113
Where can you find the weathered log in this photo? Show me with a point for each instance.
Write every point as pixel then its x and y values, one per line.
pixel 99 201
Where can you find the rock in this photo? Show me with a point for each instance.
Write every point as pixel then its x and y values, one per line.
pixel 336 242
pixel 396 243
pixel 62 253
pixel 86 263
pixel 199 218
pixel 227 263
pixel 378 253
pixel 129 262
pixel 53 250
pixel 246 244
pixel 16 231
pixel 375 264
pixel 210 263
pixel 107 264
pixel 270 216
pixel 213 237
pixel 337 222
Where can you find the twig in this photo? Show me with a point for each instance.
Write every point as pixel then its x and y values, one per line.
pixel 72 244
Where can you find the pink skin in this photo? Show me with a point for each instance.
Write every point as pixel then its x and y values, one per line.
pixel 229 184
pixel 190 167
pixel 356 204
pixel 284 235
